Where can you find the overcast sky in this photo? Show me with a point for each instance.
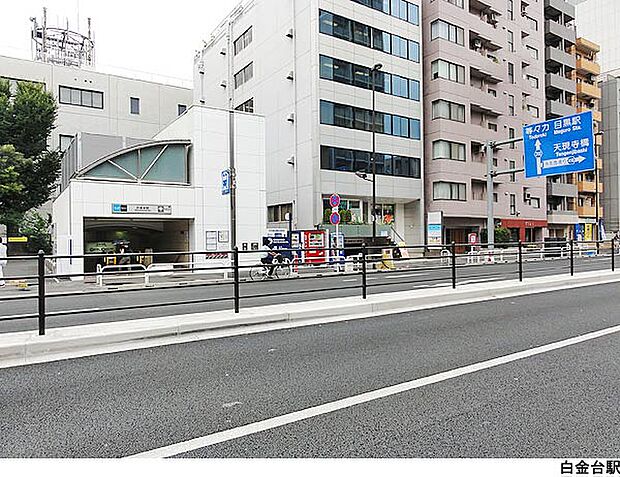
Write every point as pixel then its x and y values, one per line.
pixel 146 36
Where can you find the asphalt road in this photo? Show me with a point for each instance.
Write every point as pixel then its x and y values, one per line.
pixel 554 404
pixel 162 301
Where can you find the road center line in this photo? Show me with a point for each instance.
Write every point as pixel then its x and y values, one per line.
pixel 279 421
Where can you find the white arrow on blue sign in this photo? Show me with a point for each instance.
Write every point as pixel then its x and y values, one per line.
pixel 560 146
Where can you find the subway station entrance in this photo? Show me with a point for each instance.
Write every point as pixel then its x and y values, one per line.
pixel 118 237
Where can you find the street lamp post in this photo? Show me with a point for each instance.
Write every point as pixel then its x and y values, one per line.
pixel 375 68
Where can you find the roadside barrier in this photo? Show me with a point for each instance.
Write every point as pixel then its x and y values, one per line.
pixel 364 270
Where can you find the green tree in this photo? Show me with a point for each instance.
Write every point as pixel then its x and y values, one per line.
pixel 27 116
pixel 37 229
pixel 502 235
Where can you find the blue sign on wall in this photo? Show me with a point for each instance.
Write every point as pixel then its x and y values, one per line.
pixel 559 146
pixel 226 182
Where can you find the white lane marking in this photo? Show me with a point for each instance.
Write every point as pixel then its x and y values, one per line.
pixel 279 421
pixel 409 275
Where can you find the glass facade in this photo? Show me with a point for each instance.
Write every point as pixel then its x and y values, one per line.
pixel 348 160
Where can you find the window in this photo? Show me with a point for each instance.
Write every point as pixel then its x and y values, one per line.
pixel 492 127
pixel 243 41
pixel 512 165
pixel 402 9
pixel 134 105
pixel 533 81
pixel 65 141
pixel 513 204
pixel 449 150
pixel 277 213
pixel 533 110
pixel 347 160
pixel 181 108
pixel 447 110
pixel 511 105
pixel 533 51
pixel 533 23
pixel 535 202
pixel 247 106
pixel 511 10
pixel 457 3
pixel 511 73
pixel 447 31
pixel 446 70
pixel 511 135
pixel 350 117
pixel 80 97
pixel 361 34
pixel 511 41
pixel 245 75
pixel 449 191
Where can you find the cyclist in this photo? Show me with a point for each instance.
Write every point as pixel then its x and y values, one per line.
pixel 272 256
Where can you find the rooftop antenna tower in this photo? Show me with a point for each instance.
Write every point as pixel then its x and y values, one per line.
pixel 62 46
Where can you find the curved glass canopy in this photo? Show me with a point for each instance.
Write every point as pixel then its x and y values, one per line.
pixel 155 162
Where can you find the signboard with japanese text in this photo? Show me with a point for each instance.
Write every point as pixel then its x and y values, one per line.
pixel 226 182
pixel 142 209
pixel 560 146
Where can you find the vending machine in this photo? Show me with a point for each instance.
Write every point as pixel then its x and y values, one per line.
pixel 314 243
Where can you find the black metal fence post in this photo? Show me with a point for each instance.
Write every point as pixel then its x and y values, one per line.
pixel 237 298
pixel 453 265
pixel 364 273
pixel 41 283
pixel 613 254
pixel 572 258
pixel 520 261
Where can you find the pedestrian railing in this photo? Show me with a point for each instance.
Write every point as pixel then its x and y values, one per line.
pixel 365 270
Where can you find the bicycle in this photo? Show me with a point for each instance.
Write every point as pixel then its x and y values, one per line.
pixel 282 269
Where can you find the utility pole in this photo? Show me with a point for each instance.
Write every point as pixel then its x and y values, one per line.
pixel 373 78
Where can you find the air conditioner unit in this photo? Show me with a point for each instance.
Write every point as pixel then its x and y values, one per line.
pixel 223 51
pixel 290 33
pixel 224 84
pixel 477 43
pixel 291 118
pixel 290 76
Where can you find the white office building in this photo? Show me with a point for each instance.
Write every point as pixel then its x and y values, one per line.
pixel 93 102
pixel 163 195
pixel 306 66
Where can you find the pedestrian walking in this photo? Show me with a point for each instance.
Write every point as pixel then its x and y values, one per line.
pixel 3 262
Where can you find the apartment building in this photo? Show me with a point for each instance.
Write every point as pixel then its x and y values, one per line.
pixel 589 184
pixel 309 67
pixel 484 79
pixel 560 90
pixel 93 102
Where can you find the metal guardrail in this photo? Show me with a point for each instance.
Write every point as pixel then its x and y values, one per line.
pixel 363 263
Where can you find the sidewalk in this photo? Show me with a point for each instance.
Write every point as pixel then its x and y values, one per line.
pixel 18 349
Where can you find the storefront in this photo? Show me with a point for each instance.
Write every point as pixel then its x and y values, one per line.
pixel 525 230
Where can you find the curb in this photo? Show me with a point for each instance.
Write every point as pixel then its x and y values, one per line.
pixel 24 348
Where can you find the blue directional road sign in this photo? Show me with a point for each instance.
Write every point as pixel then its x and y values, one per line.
pixel 560 146
pixel 226 183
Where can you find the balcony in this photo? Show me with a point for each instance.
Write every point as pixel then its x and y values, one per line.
pixel 587 67
pixel 559 57
pixel 589 187
pixel 596 115
pixel 558 109
pixel 496 6
pixel 487 68
pixel 587 46
pixel 484 103
pixel 588 91
pixel 589 211
pixel 562 190
pixel 559 31
pixel 557 7
pixel 562 217
pixel 560 83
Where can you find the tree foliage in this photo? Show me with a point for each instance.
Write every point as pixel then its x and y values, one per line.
pixel 37 229
pixel 28 170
